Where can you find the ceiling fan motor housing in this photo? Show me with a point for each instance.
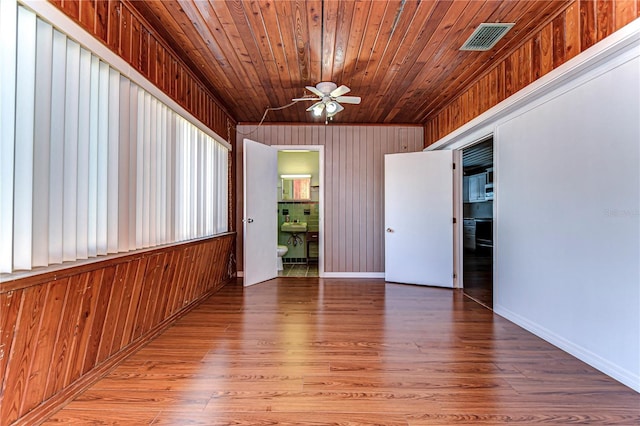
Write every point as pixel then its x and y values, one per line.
pixel 326 87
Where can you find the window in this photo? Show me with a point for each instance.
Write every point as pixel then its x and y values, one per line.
pixel 90 162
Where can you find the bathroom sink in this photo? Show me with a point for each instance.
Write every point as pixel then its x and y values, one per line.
pixel 294 227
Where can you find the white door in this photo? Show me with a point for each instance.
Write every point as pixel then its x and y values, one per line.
pixel 260 212
pixel 418 218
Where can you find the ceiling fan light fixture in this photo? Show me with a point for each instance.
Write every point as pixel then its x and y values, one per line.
pixel 329 96
pixel 317 109
pixel 332 107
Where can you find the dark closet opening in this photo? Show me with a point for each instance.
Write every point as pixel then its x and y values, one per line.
pixel 477 162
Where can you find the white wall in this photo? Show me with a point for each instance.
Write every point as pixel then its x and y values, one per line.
pixel 568 231
pixel 567 204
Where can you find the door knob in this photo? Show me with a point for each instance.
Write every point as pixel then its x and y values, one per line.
pixel 248 220
pixel 389 230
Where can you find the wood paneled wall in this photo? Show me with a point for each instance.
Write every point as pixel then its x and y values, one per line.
pixel 581 25
pixel 61 330
pixel 353 185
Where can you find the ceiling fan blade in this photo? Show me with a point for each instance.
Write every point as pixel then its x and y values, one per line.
pixel 315 91
pixel 306 99
pixel 339 91
pixel 317 104
pixel 349 99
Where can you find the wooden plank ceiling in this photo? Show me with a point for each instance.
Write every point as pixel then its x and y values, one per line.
pixel 401 56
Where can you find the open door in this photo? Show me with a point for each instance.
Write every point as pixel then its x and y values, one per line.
pixel 419 215
pixel 260 218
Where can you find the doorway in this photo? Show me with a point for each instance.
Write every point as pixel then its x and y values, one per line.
pixel 478 198
pixel 299 206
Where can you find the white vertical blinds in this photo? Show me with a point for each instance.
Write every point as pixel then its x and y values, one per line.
pixel 42 143
pixel 91 163
pixel 70 158
pixel 23 160
pixel 83 164
pixel 8 34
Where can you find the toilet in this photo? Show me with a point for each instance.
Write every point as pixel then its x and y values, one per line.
pixel 282 250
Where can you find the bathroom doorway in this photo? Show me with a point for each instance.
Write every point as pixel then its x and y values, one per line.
pixel 300 210
pixel 478 198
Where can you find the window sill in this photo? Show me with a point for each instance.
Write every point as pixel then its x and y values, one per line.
pixel 23 279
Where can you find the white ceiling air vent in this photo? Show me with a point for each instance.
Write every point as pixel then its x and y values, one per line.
pixel 486 36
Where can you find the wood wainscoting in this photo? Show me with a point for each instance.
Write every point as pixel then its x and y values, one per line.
pixel 62 330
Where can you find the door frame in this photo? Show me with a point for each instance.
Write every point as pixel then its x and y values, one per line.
pixel 458 213
pixel 458 210
pixel 320 150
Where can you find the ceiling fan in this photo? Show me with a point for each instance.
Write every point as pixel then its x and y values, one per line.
pixel 329 97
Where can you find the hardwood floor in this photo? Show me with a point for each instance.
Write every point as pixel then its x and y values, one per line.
pixel 315 351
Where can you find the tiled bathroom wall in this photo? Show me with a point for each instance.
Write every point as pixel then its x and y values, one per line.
pixel 302 211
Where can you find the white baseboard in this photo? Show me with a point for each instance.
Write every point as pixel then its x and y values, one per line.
pixel 622 375
pixel 352 275
pixel 240 274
